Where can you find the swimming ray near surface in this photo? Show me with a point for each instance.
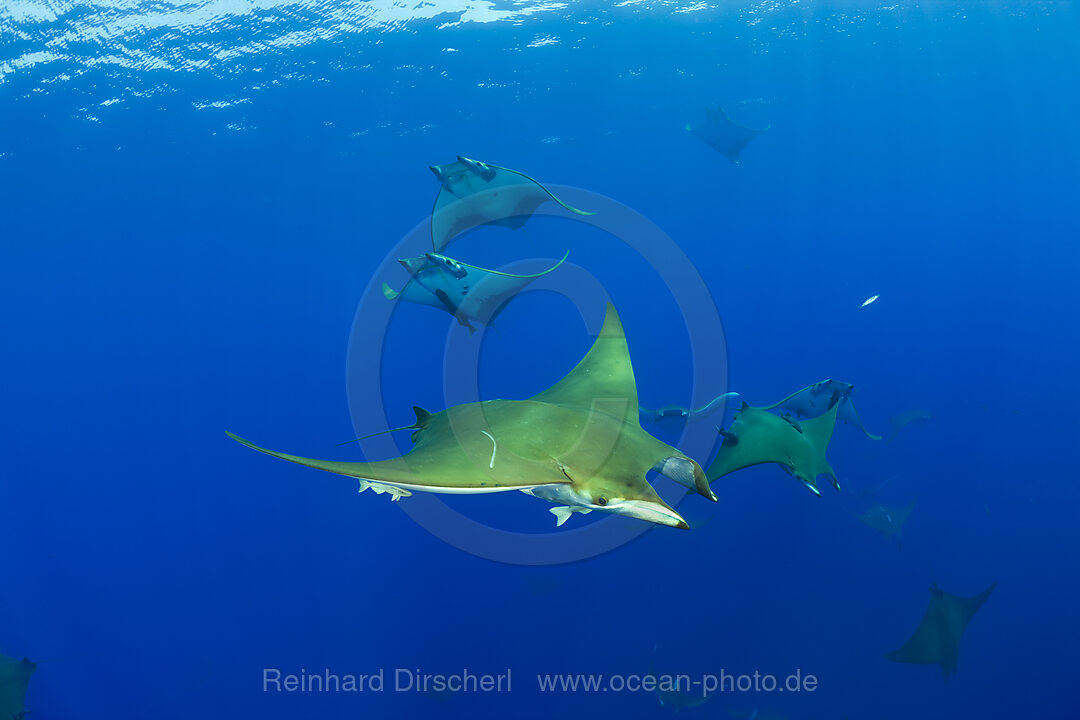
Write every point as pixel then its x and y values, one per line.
pixel 469 293
pixel 724 135
pixel 937 639
pixel 888 521
pixel 578 444
pixel 475 193
pixel 758 436
pixel 14 681
pixel 813 400
pixel 673 417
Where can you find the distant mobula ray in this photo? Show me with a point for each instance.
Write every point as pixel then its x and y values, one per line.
pixel 674 692
pixel 14 680
pixel 673 417
pixel 724 135
pixel 469 293
pixel 475 193
pixel 578 444
pixel 909 417
pixel 758 436
pixel 888 521
pixel 937 639
pixel 814 400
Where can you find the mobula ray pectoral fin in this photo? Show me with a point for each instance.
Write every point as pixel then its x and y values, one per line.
pixel 448 469
pixel 604 379
pixel 603 383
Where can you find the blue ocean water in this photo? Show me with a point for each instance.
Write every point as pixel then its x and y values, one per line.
pixel 197 196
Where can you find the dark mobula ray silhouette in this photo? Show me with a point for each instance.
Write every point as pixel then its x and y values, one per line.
pixel 937 639
pixel 14 680
pixel 724 135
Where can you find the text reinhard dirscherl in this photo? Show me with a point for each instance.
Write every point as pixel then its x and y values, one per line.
pixel 414 680
pixel 400 680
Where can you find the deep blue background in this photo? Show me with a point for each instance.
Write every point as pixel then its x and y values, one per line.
pixel 169 271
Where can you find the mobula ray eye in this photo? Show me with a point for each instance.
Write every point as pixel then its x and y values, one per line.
pixel 601 500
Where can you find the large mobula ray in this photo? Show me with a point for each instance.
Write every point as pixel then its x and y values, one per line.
pixel 14 680
pixel 937 639
pixel 475 193
pixel 814 400
pixel 724 135
pixel 578 444
pixel 469 293
pixel 757 436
